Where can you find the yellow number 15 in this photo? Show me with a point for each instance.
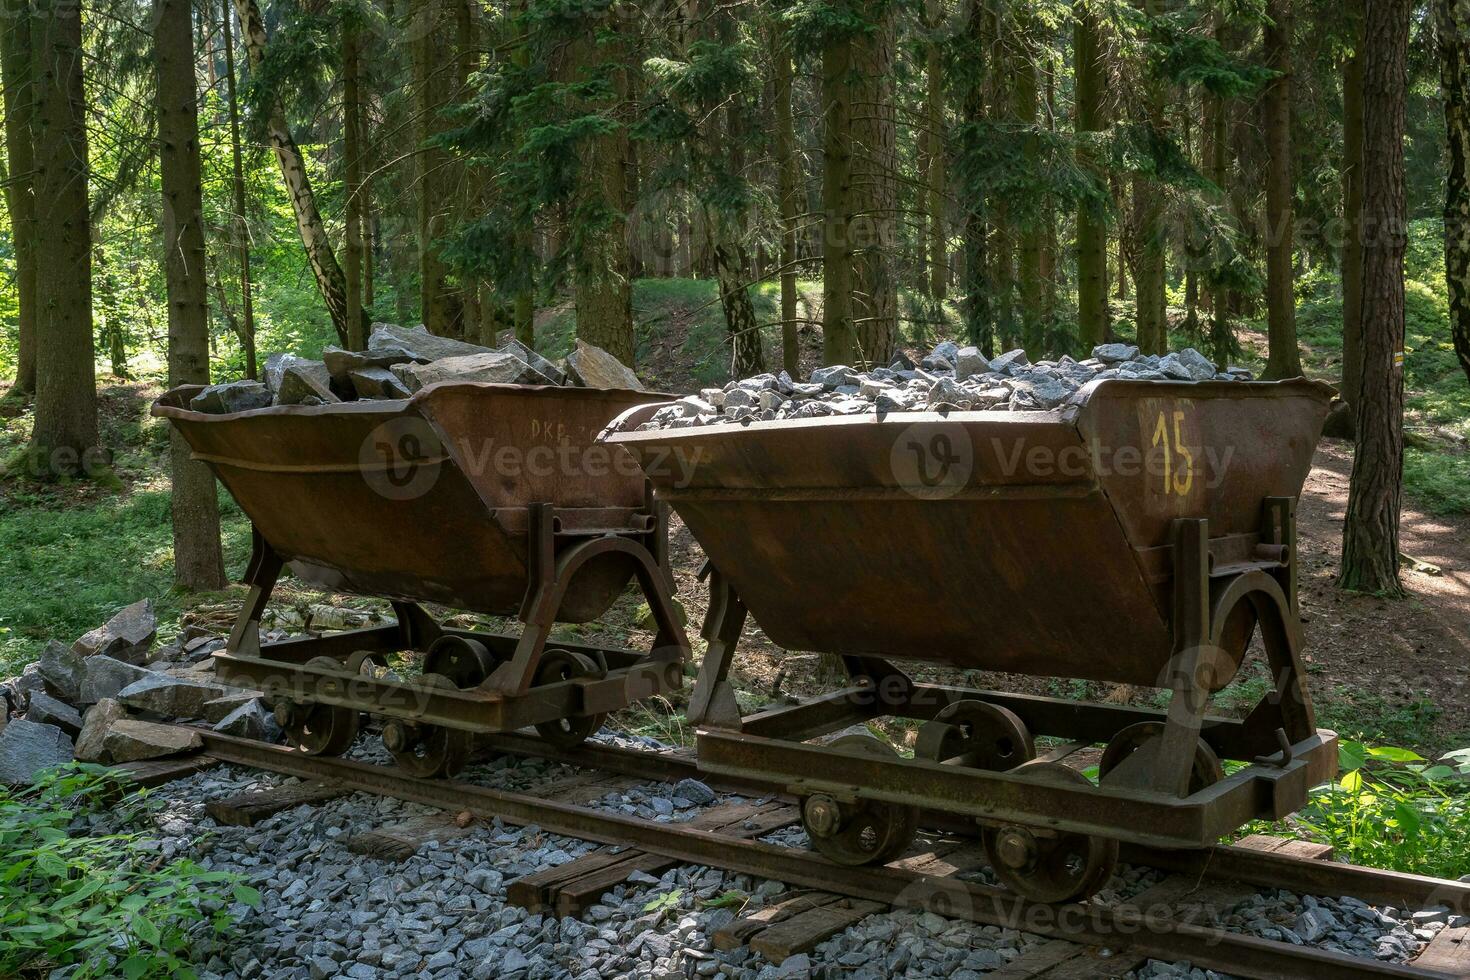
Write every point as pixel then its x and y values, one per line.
pixel 1176 479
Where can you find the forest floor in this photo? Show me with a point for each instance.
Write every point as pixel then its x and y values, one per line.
pixel 1389 672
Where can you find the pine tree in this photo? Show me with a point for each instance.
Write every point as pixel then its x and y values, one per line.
pixel 237 188
pixel 198 562
pixel 1370 540
pixel 1092 235
pixel 1284 357
pixel 15 69
pixel 64 439
pixel 1452 18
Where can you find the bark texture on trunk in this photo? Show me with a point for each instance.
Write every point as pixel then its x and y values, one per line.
pixel 975 308
pixel 837 259
pixel 64 439
pixel 1092 234
pixel 324 268
pixel 874 194
pixel 352 145
pixel 602 283
pixel 1028 259
pixel 1370 539
pixel 16 68
pixel 1352 207
pixel 442 312
pixel 1453 21
pixel 1284 360
pixel 936 182
pixel 198 561
pixel 242 229
pixel 788 184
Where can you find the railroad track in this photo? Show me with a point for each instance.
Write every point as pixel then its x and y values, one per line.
pixel 1089 939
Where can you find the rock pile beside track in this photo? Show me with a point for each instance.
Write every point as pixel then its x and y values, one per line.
pixel 950 377
pixel 401 360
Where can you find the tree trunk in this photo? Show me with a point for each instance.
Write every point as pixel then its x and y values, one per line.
pixel 441 311
pixel 1150 244
pixel 64 439
pixel 1092 234
pixel 328 274
pixel 1222 337
pixel 1284 360
pixel 1032 233
pixel 837 259
pixel 1352 207
pixel 15 68
pixel 975 308
pixel 874 192
pixel 352 146
pixel 788 186
pixel 524 307
pixel 747 358
pixel 937 209
pixel 602 284
pixel 242 229
pixel 1370 539
pixel 1453 19
pixel 198 562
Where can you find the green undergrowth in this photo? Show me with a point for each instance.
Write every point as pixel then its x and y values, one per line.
pixel 103 905
pixel 64 571
pixel 1391 808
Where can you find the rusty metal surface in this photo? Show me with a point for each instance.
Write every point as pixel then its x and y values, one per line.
pixel 425 499
pixel 985 540
pixel 1155 933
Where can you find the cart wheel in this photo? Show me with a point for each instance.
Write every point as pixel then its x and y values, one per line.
pixel 563 665
pixel 464 661
pixel 428 751
pixel 976 735
pixel 861 832
pixel 316 728
pixel 358 662
pixel 1206 771
pixel 1047 865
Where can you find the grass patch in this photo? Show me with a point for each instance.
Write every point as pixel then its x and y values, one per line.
pixel 1354 713
pixel 62 572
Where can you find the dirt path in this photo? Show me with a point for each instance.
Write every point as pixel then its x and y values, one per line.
pixel 1418 648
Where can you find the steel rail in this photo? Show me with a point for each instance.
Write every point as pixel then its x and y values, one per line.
pixel 1148 932
pixel 1220 862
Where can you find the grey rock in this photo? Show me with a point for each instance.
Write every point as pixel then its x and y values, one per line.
pixel 491 366
pixel 127 636
pixel 253 721
pixel 1010 361
pixel 1315 923
pixel 95 725
pixel 548 370
pixel 592 367
pixel 342 363
pixel 970 362
pixel 947 349
pixel 1114 353
pixel 307 384
pixel 62 670
pixel 377 382
pixel 105 677
pixel 218 709
pixel 418 343
pixel 128 740
pixel 835 376
pixel 171 696
pixel 236 396
pixel 46 710
pixel 694 791
pixel 27 749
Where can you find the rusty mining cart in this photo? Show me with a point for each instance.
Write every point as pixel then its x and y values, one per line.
pixel 1141 536
pixel 494 499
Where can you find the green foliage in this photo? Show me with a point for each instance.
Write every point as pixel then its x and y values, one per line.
pixel 1394 809
pixel 1439 482
pixel 64 571
pixel 102 906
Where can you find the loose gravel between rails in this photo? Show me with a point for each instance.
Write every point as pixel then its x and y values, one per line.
pixel 1098 937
